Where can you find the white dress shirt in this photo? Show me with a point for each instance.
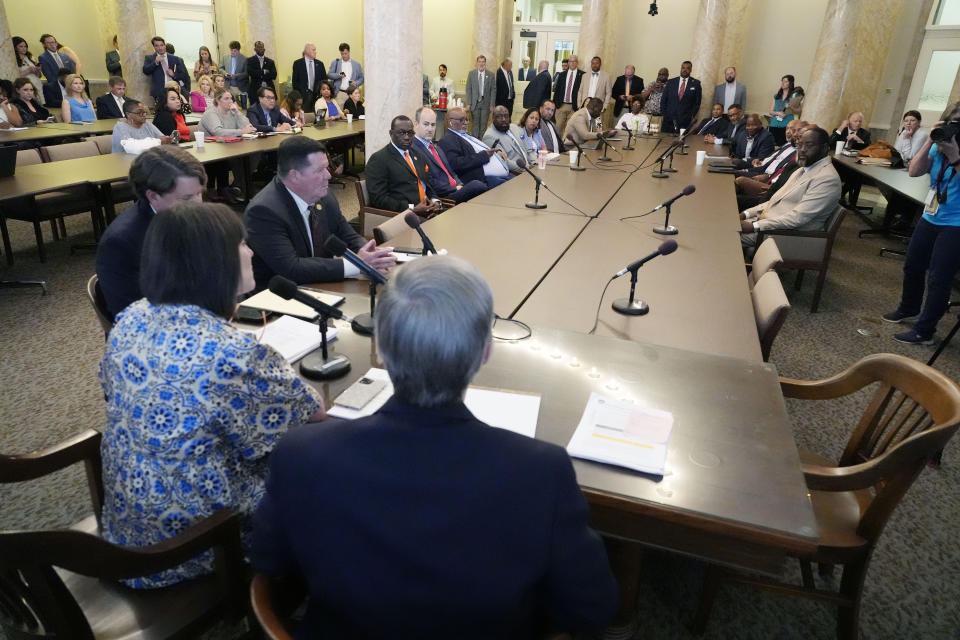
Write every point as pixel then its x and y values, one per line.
pixel 594 79
pixel 346 66
pixel 729 95
pixel 442 83
pixel 304 208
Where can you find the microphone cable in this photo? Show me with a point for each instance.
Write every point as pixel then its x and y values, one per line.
pixel 596 317
pixel 522 325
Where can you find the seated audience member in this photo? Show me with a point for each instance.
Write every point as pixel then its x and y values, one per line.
pixel 134 127
pixel 55 92
pixel 583 125
pixel 202 98
pixel 184 102
pixel 530 135
pixel 194 405
pixel 450 528
pixel 552 139
pixel 225 119
pixel 77 106
pixel 326 103
pixel 441 81
pixel 716 124
pixel 752 142
pixel 735 124
pixel 169 117
pixel 912 136
pixel 807 200
pixel 265 116
pixel 933 255
pixel 441 175
pixel 110 105
pixel 160 177
pixel 501 133
pixel 397 174
pixel 470 157
pixel 852 133
pixel 766 166
pixel 30 111
pixel 9 114
pixel 625 89
pixel 354 103
pixel 780 114
pixel 293 107
pixel 653 94
pixel 634 120
pixel 205 64
pixel 291 218
pixel 761 180
pixel 219 82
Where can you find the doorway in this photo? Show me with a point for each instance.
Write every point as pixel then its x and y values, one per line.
pixel 188 25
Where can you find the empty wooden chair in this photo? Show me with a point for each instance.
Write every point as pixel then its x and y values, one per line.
pixel 99 304
pixel 370 217
pixel 912 413
pixel 766 258
pixel 770 309
pixel 104 144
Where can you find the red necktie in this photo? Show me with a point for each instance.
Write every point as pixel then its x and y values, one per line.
pixel 683 87
pixel 436 156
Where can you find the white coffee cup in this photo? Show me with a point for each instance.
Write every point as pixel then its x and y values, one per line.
pixel 573 157
pixel 840 145
pixel 349 118
pixel 682 131
pixel 701 156
pixel 198 138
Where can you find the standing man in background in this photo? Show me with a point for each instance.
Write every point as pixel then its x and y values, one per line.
pixel 566 95
pixel 625 87
pixel 681 100
pixel 480 92
pixel 527 72
pixel 308 72
pixel 234 66
pixel 538 89
pixel 730 92
pixel 599 86
pixel 343 72
pixel 113 60
pixel 442 82
pixel 505 92
pixel 261 71
pixel 163 67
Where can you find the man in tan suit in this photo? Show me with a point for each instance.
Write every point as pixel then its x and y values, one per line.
pixel 806 200
pixel 597 84
pixel 582 125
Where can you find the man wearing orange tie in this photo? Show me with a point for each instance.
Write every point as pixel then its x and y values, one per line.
pixel 397 174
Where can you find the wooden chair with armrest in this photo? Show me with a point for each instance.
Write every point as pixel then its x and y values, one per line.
pixel 770 309
pixel 912 413
pixel 808 250
pixel 370 217
pixel 99 304
pixel 392 227
pixel 64 583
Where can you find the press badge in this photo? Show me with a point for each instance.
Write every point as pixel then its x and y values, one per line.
pixel 930 203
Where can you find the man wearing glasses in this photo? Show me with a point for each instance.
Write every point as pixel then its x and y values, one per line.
pixel 397 174
pixel 266 116
pixel 470 157
pixel 134 127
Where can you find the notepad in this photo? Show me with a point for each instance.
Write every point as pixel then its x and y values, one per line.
pixel 291 337
pixel 511 410
pixel 623 434
pixel 266 300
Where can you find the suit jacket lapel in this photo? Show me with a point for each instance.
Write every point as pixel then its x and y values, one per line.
pixel 294 216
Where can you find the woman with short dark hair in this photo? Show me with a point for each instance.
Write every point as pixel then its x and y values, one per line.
pixel 911 137
pixel 194 405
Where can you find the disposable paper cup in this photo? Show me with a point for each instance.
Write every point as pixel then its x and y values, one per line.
pixel 701 156
pixel 542 159
pixel 198 138
pixel 349 118
pixel 682 131
pixel 840 146
pixel 573 157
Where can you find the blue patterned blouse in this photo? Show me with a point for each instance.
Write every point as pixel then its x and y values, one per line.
pixel 194 405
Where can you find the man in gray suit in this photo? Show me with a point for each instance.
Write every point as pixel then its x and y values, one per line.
pixel 234 66
pixel 807 199
pixel 730 92
pixel 505 136
pixel 481 88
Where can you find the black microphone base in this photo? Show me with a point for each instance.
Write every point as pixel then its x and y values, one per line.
pixel 363 324
pixel 315 367
pixel 665 229
pixel 604 159
pixel 628 147
pixel 683 153
pixel 660 174
pixel 536 205
pixel 670 170
pixel 627 308
pixel 578 168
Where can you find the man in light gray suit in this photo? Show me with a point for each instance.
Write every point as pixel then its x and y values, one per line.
pixel 731 91
pixel 481 88
pixel 234 66
pixel 806 200
pixel 506 137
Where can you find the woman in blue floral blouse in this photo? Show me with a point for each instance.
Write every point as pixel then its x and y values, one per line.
pixel 194 405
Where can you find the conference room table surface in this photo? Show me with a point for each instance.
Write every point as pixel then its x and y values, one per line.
pixel 896 179
pixel 44 133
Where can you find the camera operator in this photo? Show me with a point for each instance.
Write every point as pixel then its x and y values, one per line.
pixel 935 244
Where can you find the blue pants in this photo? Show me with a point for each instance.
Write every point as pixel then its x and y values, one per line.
pixel 933 258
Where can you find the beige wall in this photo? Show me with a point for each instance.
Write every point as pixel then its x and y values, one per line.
pixel 649 43
pixel 449 40
pixel 330 22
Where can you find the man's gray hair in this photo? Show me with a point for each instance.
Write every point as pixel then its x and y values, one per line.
pixel 433 325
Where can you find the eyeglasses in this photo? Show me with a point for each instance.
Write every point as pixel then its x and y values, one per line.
pixel 138 113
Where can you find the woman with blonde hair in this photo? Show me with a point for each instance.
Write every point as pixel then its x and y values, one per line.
pixel 77 107
pixel 205 65
pixel 203 96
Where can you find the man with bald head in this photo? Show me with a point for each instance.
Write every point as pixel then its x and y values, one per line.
pixel 625 87
pixel 539 88
pixel 308 73
pixel 469 156
pixel 653 94
pixel 753 141
pixel 583 125
pixel 501 134
pixel 566 95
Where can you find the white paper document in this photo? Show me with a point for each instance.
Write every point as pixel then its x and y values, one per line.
pixel 269 301
pixel 622 433
pixel 510 410
pixel 293 338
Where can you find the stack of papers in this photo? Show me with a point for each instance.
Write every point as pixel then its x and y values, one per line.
pixel 293 338
pixel 269 301
pixel 511 410
pixel 621 433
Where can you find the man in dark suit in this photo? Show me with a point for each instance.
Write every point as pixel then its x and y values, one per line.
pixel 308 73
pixel 441 175
pixel 420 521
pixel 681 100
pixel 505 89
pixel 161 177
pixel 397 175
pixel 624 88
pixel 291 218
pixel 52 60
pixel 266 116
pixel 566 95
pixel 55 92
pixel 470 158
pixel 735 125
pixel 753 141
pixel 526 71
pixel 163 67
pixel 539 88
pixel 716 124
pixel 552 139
pixel 261 71
pixel 110 105
pixel 564 65
pixel 112 59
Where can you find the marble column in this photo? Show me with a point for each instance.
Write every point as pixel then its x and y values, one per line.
pixel 920 11
pixel 256 23
pixel 393 69
pixel 707 49
pixel 834 49
pixel 107 19
pixel 505 39
pixel 593 32
pixel 734 36
pixel 486 16
pixel 135 27
pixel 875 29
pixel 8 59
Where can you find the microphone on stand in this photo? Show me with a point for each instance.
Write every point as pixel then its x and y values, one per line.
pixel 363 323
pixel 536 204
pixel 666 229
pixel 629 146
pixel 413 221
pixel 661 172
pixel 629 306
pixel 315 365
pixel 603 141
pixel 579 155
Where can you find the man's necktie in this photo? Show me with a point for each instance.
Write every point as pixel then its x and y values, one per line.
pixel 310 75
pixel 56 56
pixel 266 114
pixel 423 193
pixel 436 156
pixel 683 87
pixel 317 231
pixel 567 97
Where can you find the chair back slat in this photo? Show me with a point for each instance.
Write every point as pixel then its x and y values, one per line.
pixel 39 604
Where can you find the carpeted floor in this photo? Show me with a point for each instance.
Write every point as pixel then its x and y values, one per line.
pixel 51 346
